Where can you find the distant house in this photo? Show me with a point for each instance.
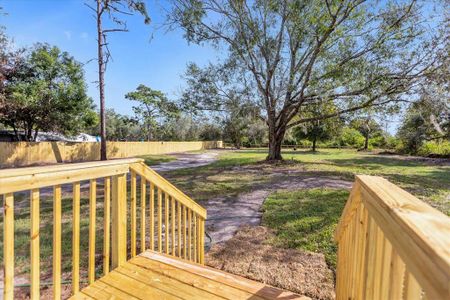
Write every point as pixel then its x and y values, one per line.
pixel 9 136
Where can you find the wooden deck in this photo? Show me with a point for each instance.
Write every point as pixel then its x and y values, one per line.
pixel 152 275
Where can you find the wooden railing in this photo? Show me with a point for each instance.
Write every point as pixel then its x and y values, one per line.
pixel 391 245
pixel 169 221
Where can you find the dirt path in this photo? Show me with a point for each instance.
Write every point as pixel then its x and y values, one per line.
pixel 188 160
pixel 226 215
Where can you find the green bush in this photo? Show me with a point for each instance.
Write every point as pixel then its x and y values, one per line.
pixel 351 137
pixel 434 148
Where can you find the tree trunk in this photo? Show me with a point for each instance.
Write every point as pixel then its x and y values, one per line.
pixel 275 141
pixel 366 141
pixel 314 144
pixel 36 131
pixel 101 82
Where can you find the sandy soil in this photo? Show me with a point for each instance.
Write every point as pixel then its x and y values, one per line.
pixel 248 255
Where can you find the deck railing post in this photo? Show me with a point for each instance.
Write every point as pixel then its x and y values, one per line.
pixel 119 220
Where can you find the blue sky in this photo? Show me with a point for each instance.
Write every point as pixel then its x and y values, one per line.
pixel 145 54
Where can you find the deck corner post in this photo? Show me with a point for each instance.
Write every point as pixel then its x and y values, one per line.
pixel 119 220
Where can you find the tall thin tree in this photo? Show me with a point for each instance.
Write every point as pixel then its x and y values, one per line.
pixel 115 11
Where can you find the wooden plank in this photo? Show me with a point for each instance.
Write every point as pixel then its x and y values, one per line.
pixel 143 210
pixel 172 226
pixel 155 280
pixel 412 290
pixel 43 179
pixel 189 234
pixel 159 219
pixel 166 223
pixel 133 214
pixel 184 232
pixel 385 270
pixel 136 288
pixel 256 289
pixel 143 170
pixel 92 226
pixel 202 241
pixel 419 233
pixel 350 206
pixel 34 244
pixel 179 208
pixel 370 260
pixel 8 246
pixel 397 272
pixel 152 216
pixel 104 291
pixel 76 238
pixel 194 237
pixel 119 220
pixel 106 224
pixel 57 220
pixel 362 255
pixel 51 169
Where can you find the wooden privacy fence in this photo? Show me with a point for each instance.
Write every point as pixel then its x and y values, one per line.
pixel 391 245
pixel 133 196
pixel 14 154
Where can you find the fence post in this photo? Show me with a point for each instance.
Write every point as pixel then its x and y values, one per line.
pixel 119 220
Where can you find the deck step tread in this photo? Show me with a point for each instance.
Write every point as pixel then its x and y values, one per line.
pixel 153 275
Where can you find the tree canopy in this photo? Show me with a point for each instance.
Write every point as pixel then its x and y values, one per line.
pixel 153 108
pixel 293 54
pixel 43 89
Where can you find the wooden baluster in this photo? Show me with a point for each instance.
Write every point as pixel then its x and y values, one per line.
pixel 76 238
pixel 173 226
pixel 378 263
pixel 350 247
pixel 57 242
pixel 339 267
pixel 190 234
pixel 8 246
pixel 106 224
pixel 202 241
pixel 184 233
pixel 194 233
pixel 385 270
pixel 119 220
pixel 152 216
pixel 133 214
pixel 92 221
pixel 166 222
pixel 143 208
pixel 397 272
pixel 411 288
pixel 34 245
pixel 356 240
pixel 361 259
pixel 159 220
pixel 370 261
pixel 179 228
pixel 348 242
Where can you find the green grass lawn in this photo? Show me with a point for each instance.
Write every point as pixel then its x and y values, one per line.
pixel 306 219
pixel 425 179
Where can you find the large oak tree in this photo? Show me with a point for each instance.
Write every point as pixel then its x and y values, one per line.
pixel 352 54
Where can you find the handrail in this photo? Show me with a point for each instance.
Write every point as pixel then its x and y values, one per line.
pixel 177 223
pixel 149 174
pixel 14 180
pixel 391 245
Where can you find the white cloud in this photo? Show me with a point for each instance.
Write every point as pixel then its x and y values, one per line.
pixel 68 35
pixel 84 35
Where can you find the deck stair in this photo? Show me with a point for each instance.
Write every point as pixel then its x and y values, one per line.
pixel 152 275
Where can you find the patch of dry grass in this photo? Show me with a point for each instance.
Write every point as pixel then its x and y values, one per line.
pixel 249 254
